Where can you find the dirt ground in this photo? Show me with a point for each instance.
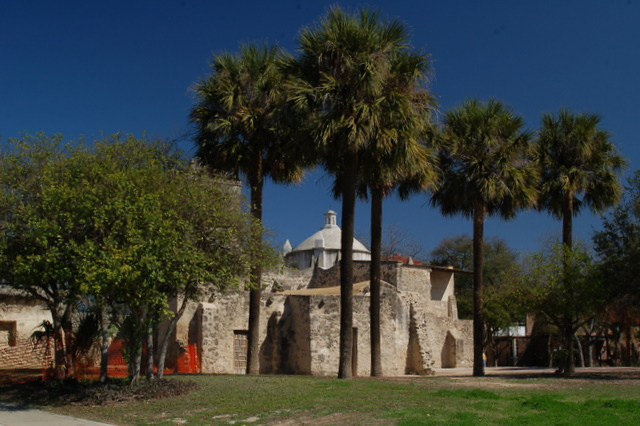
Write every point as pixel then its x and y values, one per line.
pixel 501 377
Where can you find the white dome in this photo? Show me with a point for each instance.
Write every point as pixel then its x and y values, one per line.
pixel 323 247
pixel 328 237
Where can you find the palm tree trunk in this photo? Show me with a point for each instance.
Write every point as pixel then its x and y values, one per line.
pixel 478 299
pixel 253 361
pixel 346 266
pixel 374 279
pixel 567 242
pixel 567 219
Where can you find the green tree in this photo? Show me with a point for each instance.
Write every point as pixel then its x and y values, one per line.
pixel 125 222
pixel 242 127
pixel 339 80
pixel 561 284
pixel 485 159
pixel 43 214
pixel 618 249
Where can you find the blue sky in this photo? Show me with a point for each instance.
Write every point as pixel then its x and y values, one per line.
pixel 99 67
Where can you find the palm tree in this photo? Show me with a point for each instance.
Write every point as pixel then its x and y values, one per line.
pixel 396 157
pixel 579 167
pixel 485 159
pixel 239 119
pixel 576 160
pixel 339 80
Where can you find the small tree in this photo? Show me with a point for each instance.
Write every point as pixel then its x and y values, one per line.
pixel 618 248
pixel 562 285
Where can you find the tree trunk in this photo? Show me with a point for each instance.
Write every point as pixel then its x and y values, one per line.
pixel 70 347
pixel 580 351
pixel 377 195
pixel 567 241
pixel 346 266
pixel 104 346
pixel 59 352
pixel 567 219
pixel 478 296
pixel 164 346
pixel 253 353
pixel 138 330
pixel 150 352
pixel 569 362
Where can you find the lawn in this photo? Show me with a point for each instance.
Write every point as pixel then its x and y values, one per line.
pixel 291 400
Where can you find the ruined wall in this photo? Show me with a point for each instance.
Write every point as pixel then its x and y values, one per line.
pixel 390 272
pixel 286 279
pixel 414 279
pixel 20 316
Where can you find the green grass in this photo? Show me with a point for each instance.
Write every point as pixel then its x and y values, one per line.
pixel 414 401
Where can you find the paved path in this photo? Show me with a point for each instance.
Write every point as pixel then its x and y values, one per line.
pixel 13 415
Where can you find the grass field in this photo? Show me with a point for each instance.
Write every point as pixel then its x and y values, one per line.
pixel 589 399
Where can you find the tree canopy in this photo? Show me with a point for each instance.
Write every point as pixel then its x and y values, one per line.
pixel 121 220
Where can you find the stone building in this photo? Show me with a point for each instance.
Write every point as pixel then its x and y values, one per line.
pixel 300 317
pixel 20 316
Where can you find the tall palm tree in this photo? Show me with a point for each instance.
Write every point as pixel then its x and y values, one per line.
pixel 579 167
pixel 396 157
pixel 339 80
pixel 239 119
pixel 485 159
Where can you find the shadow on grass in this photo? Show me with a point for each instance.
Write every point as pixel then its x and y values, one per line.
pixel 53 393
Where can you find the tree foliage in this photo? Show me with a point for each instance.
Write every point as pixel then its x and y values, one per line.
pixel 579 167
pixel 561 284
pixel 123 221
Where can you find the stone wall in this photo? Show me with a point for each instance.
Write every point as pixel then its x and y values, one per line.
pixel 20 316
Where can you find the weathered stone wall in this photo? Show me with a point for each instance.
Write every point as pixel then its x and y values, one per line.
pixel 20 316
pixel 390 272
pixel 441 284
pixel 286 279
pixel 300 334
pixel 414 279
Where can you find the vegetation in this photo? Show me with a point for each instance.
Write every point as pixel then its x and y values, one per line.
pixel 618 249
pixel 487 170
pixel 124 222
pixel 241 128
pixel 539 399
pixel 562 285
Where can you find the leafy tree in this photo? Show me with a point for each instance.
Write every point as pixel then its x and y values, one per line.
pixel 241 127
pixel 486 171
pixel 562 285
pixel 340 80
pixel 125 222
pixel 618 248
pixel 43 222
